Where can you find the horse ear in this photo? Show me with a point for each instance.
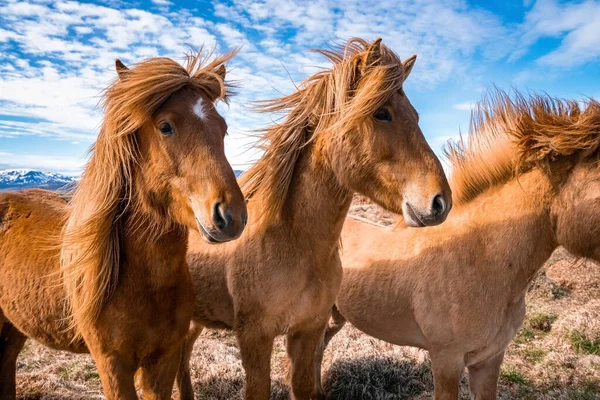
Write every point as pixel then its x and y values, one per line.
pixel 221 71
pixel 215 88
pixel 371 57
pixel 373 53
pixel 121 69
pixel 408 65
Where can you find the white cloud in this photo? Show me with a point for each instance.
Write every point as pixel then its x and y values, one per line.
pixel 466 106
pixel 56 56
pixel 64 165
pixel 576 25
pixel 445 34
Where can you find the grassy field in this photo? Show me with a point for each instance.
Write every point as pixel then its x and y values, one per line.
pixel 556 355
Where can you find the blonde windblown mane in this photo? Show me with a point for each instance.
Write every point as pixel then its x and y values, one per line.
pixel 510 135
pixel 90 253
pixel 337 100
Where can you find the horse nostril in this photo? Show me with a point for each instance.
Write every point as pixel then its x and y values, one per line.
pixel 219 218
pixel 438 207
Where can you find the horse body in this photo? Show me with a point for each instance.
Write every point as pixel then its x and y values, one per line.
pixel 431 277
pixel 282 275
pixel 22 288
pixel 106 272
pixel 153 283
pixel 258 268
pixel 459 292
pixel 275 280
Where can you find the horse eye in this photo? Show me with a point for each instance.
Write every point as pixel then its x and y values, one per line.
pixel 165 128
pixel 383 115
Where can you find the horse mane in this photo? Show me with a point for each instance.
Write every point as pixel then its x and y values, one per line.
pixel 337 100
pixel 91 252
pixel 510 135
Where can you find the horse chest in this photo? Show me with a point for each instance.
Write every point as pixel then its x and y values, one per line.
pixel 305 294
pixel 151 322
pixel 498 339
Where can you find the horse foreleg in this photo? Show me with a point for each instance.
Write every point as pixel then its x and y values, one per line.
pixel 116 374
pixel 158 376
pixel 447 370
pixel 184 378
pixel 302 348
pixel 336 323
pixel 483 378
pixel 256 346
pixel 11 343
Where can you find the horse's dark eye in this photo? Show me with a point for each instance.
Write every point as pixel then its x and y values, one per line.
pixel 166 128
pixel 383 115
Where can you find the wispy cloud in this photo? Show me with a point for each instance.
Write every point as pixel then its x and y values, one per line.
pixel 576 25
pixel 57 56
pixel 67 165
pixel 465 106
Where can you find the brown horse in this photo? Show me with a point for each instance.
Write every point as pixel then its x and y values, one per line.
pixel 107 273
pixel 348 128
pixel 526 182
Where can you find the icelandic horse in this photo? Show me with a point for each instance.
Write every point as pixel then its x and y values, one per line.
pixel 106 273
pixel 348 129
pixel 526 181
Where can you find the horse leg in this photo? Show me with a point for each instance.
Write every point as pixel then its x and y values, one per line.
pixel 336 323
pixel 483 378
pixel 158 376
pixel 447 370
pixel 116 374
pixel 184 378
pixel 256 346
pixel 11 343
pixel 302 348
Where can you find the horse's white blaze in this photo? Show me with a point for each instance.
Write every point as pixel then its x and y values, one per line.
pixel 199 109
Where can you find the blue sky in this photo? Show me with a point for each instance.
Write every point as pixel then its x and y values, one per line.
pixel 56 57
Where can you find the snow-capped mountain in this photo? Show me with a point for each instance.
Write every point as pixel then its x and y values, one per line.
pixel 11 179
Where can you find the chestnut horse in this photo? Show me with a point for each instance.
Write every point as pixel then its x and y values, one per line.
pixel 527 181
pixel 107 273
pixel 348 128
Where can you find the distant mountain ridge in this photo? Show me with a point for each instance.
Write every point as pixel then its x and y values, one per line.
pixel 14 179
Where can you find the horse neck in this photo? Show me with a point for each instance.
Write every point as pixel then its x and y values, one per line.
pixel 152 243
pixel 316 204
pixel 518 216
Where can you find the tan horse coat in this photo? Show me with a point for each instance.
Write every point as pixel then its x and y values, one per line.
pixel 459 290
pixel 283 275
pixel 107 271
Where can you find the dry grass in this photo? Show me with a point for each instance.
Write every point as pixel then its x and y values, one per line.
pixel 556 355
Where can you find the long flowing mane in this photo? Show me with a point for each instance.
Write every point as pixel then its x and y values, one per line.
pixel 334 100
pixel 510 135
pixel 90 253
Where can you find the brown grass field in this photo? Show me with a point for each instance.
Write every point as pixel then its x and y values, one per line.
pixel 556 354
